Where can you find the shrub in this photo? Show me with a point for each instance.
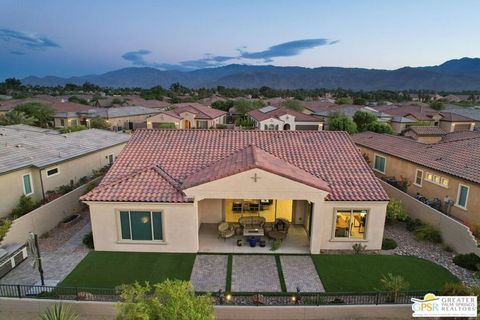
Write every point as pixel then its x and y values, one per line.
pixel 454 289
pixel 58 312
pixel 88 240
pixel 395 211
pixel 24 206
pixel 358 248
pixel 4 226
pixel 73 128
pixel 413 224
pixel 393 284
pixel 468 261
pixel 276 244
pixel 388 244
pixel 476 231
pixel 428 233
pixel 99 123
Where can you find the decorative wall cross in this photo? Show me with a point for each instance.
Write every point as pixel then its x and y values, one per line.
pixel 255 177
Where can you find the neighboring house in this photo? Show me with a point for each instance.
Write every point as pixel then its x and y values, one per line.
pixel 119 118
pixel 399 124
pixel 471 113
pixel 448 170
pixel 310 107
pixel 35 160
pixel 424 134
pixel 279 118
pixel 187 116
pixel 167 185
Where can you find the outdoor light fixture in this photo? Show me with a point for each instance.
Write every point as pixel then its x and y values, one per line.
pixel 229 297
pixel 294 298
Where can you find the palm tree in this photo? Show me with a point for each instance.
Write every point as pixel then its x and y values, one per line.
pixel 17 117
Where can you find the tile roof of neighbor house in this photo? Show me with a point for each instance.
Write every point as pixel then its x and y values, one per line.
pixel 426 113
pixel 317 105
pixel 155 163
pixel 426 130
pixel 60 105
pixel 269 112
pixel 200 111
pixel 471 113
pixel 117 112
pixel 458 157
pixel 25 146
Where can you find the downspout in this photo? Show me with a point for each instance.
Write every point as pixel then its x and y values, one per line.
pixel 41 184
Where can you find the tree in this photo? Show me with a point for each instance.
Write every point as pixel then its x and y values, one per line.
pixel 343 100
pixel 16 117
pixel 362 119
pixel 169 300
pixel 380 127
pixel 41 112
pixel 242 106
pixel 437 105
pixel 13 84
pixel 223 105
pixel 293 104
pixel 99 123
pixel 360 101
pixel 340 122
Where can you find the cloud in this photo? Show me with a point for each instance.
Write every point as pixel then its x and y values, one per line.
pixel 286 49
pixel 26 39
pixel 17 53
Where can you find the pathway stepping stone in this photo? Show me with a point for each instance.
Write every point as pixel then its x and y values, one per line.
pixel 252 273
pixel 209 272
pixel 299 272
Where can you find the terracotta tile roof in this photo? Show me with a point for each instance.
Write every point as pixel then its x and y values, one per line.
pixel 249 158
pixel 426 130
pixel 458 157
pixel 454 117
pixel 200 111
pixel 460 135
pixel 312 156
pixel 316 106
pixel 258 115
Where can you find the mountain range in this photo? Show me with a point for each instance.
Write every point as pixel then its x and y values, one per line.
pixel 453 75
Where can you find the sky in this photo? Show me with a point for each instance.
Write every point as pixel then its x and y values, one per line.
pixel 72 38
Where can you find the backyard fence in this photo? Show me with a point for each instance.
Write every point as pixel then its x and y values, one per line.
pixel 454 233
pixel 233 299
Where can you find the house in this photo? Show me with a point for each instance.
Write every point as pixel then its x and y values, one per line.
pixel 424 134
pixel 471 113
pixel 310 107
pixel 188 115
pixel 280 118
pixel 35 160
pixel 448 170
pixel 119 118
pixel 169 189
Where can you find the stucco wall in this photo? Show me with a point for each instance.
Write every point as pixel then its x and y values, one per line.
pixel 373 230
pixel 180 227
pixel 454 233
pixel 11 185
pixel 162 118
pixel 46 217
pixel 210 211
pixel 402 168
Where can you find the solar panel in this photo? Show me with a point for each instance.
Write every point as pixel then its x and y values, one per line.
pixel 267 109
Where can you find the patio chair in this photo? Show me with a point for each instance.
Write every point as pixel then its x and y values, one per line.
pixel 225 230
pixel 280 229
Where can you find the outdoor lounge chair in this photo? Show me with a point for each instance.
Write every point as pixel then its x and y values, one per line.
pixel 280 229
pixel 225 230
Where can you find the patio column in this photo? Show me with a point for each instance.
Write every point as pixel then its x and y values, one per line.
pixel 316 229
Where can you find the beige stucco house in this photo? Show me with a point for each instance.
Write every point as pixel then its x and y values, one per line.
pixel 34 161
pixel 280 118
pixel 447 169
pixel 188 116
pixel 169 189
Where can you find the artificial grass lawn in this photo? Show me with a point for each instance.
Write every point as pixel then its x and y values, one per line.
pixel 356 273
pixel 110 269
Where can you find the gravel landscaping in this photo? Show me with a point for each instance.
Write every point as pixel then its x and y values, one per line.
pixel 409 246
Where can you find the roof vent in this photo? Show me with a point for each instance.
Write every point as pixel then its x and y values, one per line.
pixel 18 145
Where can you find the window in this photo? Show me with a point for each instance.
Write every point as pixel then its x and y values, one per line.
pixel 418 177
pixel 73 122
pixel 379 164
pixel 52 172
pixel 111 158
pixel 62 122
pixel 202 124
pixel 27 184
pixel 350 224
pixel 433 178
pixel 141 225
pixel 462 196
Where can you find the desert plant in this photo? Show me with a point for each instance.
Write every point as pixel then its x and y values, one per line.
pixel 4 226
pixel 393 284
pixel 388 244
pixel 276 244
pixel 454 289
pixel 358 248
pixel 468 261
pixel 58 312
pixel 88 240
pixel 395 211
pixel 428 233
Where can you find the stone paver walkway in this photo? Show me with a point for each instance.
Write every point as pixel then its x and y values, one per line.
pixel 61 251
pixel 209 273
pixel 252 273
pixel 299 272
